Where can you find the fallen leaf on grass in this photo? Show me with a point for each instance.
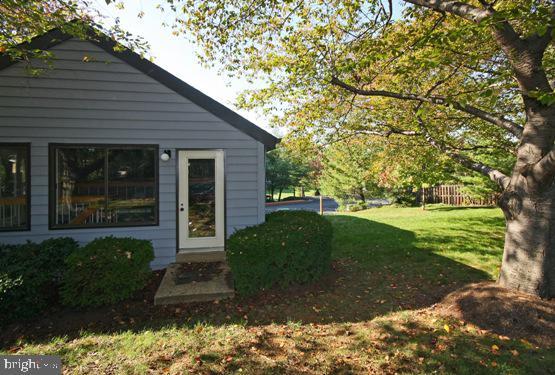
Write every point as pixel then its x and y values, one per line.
pixel 446 328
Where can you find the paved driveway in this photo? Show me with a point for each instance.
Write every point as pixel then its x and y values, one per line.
pixel 311 204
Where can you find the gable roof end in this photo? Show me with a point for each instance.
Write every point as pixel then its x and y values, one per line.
pixel 56 36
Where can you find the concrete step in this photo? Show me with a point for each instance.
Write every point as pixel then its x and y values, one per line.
pixel 208 254
pixel 195 282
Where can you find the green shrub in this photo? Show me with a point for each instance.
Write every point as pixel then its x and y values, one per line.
pixel 30 276
pixel 358 206
pixel 290 247
pixel 403 197
pixel 106 270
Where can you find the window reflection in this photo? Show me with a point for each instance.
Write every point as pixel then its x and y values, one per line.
pixel 14 195
pixel 105 186
pixel 131 185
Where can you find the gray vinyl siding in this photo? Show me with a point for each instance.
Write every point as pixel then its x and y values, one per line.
pixel 106 100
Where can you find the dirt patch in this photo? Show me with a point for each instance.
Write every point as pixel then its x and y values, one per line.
pixel 503 311
pixel 197 272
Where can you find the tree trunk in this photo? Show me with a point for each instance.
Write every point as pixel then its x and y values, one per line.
pixel 279 194
pixel 528 203
pixel 361 194
pixel 529 254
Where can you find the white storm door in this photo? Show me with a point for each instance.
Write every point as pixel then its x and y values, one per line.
pixel 201 199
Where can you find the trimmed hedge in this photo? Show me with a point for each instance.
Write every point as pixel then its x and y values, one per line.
pixel 30 276
pixel 290 247
pixel 106 270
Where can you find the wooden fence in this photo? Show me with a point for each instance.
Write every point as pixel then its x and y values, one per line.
pixel 452 195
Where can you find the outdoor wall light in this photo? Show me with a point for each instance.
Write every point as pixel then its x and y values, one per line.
pixel 166 155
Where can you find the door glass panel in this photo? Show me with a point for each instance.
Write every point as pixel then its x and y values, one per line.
pixel 202 198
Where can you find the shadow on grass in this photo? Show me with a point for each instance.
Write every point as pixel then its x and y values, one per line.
pixel 378 269
pixel 417 346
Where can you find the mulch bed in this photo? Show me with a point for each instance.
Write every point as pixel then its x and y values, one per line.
pixel 503 311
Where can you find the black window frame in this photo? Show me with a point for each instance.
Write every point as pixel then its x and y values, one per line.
pixel 52 147
pixel 27 147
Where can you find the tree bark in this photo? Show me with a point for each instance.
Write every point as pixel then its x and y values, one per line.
pixel 529 253
pixel 529 207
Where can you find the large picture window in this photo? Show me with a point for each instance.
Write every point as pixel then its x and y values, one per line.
pixel 14 187
pixel 101 185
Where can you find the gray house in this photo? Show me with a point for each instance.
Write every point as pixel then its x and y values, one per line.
pixel 107 143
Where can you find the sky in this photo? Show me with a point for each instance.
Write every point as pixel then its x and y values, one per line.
pixel 178 56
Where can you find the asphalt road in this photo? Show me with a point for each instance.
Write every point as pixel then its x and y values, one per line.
pixel 311 204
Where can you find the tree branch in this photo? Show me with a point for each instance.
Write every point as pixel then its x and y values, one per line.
pixel 457 8
pixel 501 122
pixel 522 53
pixel 544 170
pixel 495 175
pixel 389 132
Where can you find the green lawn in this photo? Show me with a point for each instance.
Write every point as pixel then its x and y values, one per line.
pixel 447 240
pixel 374 313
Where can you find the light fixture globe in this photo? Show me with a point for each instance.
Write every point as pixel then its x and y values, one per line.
pixel 166 155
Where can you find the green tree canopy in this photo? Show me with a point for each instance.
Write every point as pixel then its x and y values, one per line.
pixel 348 172
pixel 282 171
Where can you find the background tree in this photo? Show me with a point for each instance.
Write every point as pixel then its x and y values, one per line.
pixel 308 155
pixel 470 78
pixel 282 172
pixel 405 166
pixel 347 172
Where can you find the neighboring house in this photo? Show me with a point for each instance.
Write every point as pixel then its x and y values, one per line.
pixel 107 143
